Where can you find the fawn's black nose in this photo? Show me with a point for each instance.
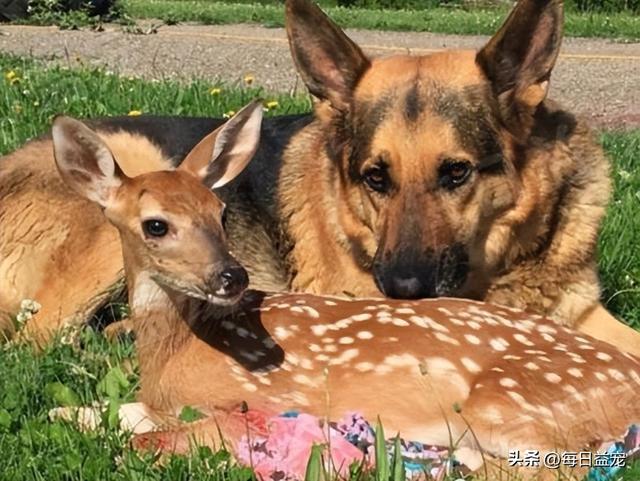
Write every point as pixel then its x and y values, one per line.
pixel 234 280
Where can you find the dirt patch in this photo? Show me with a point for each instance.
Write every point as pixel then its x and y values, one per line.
pixel 597 79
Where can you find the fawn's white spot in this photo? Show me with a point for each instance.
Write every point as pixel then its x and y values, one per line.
pixel 521 338
pixel 319 329
pixel 575 372
pixel 364 366
pixel 543 328
pixel 269 343
pixel 617 375
pixel 498 344
pixel 282 332
pixel 405 310
pixel 508 382
pixel 517 397
pixel 345 357
pixel 470 365
pixel 471 339
pixel 448 339
pixel 474 325
pixel 552 377
pixel 600 376
pixel 302 379
pixel 399 322
pixel 511 357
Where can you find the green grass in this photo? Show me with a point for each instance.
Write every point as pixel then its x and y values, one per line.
pixel 88 369
pixel 440 20
pixel 620 238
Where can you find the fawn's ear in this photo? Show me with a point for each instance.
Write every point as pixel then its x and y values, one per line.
pixel 85 162
pixel 519 58
pixel 225 152
pixel 328 61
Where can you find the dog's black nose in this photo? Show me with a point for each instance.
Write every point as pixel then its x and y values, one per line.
pixel 421 275
pixel 234 279
pixel 408 288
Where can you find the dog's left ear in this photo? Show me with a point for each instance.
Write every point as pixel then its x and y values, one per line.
pixel 518 60
pixel 328 61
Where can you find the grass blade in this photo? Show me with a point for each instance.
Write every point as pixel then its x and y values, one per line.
pixel 382 460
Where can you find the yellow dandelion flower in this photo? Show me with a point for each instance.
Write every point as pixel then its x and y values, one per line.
pixel 248 79
pixel 215 91
pixel 272 104
pixel 134 113
pixel 11 74
pixel 228 114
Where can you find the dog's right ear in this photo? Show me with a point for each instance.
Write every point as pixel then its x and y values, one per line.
pixel 519 58
pixel 85 162
pixel 329 62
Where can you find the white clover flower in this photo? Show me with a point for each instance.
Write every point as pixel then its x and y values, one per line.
pixel 30 305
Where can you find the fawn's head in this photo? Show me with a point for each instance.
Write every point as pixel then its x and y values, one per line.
pixel 170 222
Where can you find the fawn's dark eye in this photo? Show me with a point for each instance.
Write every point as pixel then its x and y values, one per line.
pixel 155 228
pixel 377 178
pixel 454 173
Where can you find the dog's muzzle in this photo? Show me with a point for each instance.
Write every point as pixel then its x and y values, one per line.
pixel 410 275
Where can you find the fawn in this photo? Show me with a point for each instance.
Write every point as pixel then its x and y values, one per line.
pixel 520 381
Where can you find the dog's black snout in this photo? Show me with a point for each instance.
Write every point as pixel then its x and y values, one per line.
pixel 404 276
pixel 408 288
pixel 234 279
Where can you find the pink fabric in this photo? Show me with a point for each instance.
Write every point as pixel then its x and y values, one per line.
pixel 284 452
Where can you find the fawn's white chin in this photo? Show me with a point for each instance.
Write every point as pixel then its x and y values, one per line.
pixel 223 301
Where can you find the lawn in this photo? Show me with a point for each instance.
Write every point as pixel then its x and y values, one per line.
pixel 83 368
pixel 434 19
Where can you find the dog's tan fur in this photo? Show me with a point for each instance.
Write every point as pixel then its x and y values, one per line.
pixel 55 246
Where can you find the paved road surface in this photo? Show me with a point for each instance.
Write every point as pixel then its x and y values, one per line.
pixel 597 78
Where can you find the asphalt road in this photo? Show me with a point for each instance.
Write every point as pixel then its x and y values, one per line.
pixel 597 78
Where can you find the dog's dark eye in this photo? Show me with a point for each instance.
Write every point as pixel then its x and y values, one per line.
pixel 453 174
pixel 155 228
pixel 377 178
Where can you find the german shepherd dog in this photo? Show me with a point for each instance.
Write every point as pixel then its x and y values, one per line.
pixel 449 174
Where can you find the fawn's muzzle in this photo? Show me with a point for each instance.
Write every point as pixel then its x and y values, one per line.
pixel 232 281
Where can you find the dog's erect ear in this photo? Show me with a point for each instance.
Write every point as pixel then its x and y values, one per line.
pixel 225 152
pixel 519 58
pixel 329 62
pixel 84 161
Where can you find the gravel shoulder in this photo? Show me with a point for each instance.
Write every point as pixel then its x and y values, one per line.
pixel 598 79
